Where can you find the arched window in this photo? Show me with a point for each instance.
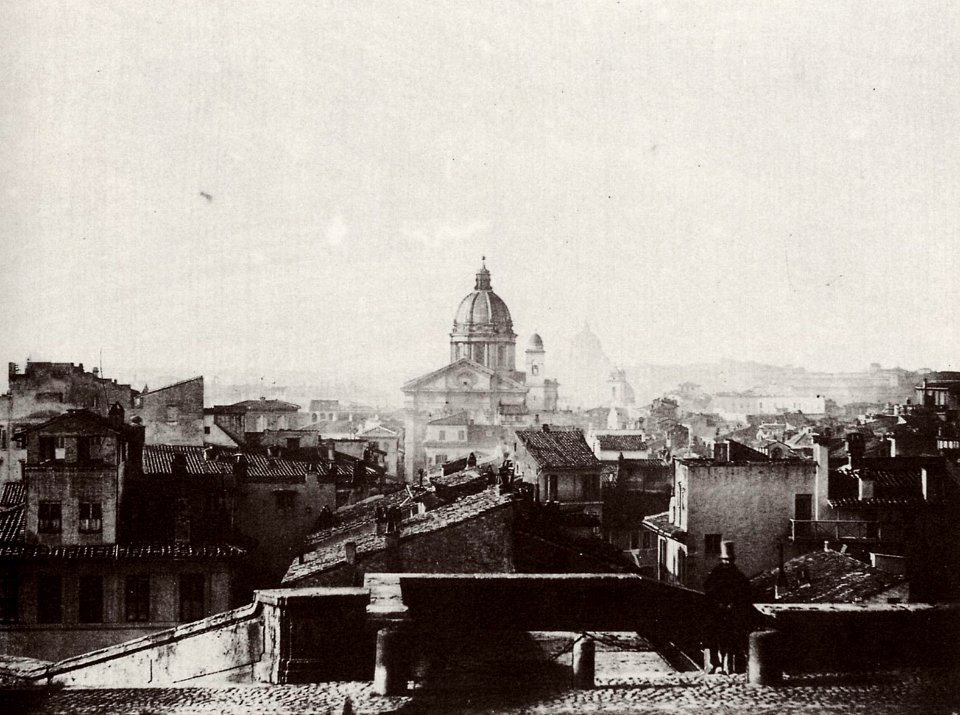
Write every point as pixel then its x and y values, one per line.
pixel 535 370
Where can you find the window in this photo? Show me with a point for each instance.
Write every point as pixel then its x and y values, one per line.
pixel 552 487
pixel 172 413
pixel 443 436
pixel 137 598
pixel 9 597
pixel 440 459
pixel 293 443
pixel 535 370
pixel 191 597
pixel 206 429
pixel 90 598
pixel 83 449
pixel 91 518
pixel 3 438
pixel 462 435
pixel 49 599
pixel 50 521
pixel 711 544
pixel 646 539
pixel 803 507
pixel 48 447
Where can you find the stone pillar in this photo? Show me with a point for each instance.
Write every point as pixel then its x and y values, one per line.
pixel 390 675
pixel 764 666
pixel 584 662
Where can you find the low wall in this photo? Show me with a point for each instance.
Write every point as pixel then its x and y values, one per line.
pixel 863 637
pixel 225 648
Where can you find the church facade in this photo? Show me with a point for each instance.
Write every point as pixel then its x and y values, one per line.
pixel 481 379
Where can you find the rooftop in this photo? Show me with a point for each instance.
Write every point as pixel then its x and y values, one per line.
pixel 461 418
pixel 459 511
pixel 621 442
pixel 661 524
pixel 158 460
pixel 121 551
pixel 13 493
pixel 825 577
pixel 558 448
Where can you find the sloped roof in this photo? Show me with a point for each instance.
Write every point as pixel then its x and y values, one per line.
pixel 74 414
pixel 158 460
pixel 825 577
pixel 464 509
pixel 12 523
pixel 461 418
pixel 258 406
pixel 558 448
pixel 621 442
pixel 353 516
pixel 169 550
pixel 13 493
pixel 661 524
pixel 171 385
pixel 378 431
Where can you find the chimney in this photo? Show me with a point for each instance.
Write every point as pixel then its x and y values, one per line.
pixel 855 449
pixel 240 466
pixel 721 451
pixel 350 552
pixel 178 467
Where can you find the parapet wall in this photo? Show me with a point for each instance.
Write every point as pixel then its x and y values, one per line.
pixel 864 637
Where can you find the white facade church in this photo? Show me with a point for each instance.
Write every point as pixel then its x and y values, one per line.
pixel 481 378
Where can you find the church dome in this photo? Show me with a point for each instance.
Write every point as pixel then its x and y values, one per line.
pixel 483 309
pixel 536 342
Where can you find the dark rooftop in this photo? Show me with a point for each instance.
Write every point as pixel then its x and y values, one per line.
pixel 13 493
pixel 558 448
pixel 465 508
pixel 621 442
pixel 461 418
pixel 825 577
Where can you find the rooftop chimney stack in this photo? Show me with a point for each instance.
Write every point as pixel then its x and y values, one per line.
pixel 855 449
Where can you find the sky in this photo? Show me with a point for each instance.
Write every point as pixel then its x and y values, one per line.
pixel 246 187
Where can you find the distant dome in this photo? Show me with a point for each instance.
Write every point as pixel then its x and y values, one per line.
pixel 483 309
pixel 536 342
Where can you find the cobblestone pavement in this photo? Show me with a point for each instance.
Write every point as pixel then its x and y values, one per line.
pixel 927 692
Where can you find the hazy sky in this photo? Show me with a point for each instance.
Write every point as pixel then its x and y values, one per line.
pixel 770 181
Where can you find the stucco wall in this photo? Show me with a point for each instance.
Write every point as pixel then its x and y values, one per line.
pixel 173 415
pixel 55 641
pixel 747 503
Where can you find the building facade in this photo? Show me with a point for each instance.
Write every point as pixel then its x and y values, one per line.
pixel 481 379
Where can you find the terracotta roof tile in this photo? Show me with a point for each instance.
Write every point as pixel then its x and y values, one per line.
pixel 825 577
pixel 558 448
pixel 464 509
pixel 621 442
pixel 13 493
pixel 122 551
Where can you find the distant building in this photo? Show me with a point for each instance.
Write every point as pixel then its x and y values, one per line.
pixel 481 379
pixel 561 467
pixel 42 390
pixel 740 406
pixel 252 417
pixel 172 414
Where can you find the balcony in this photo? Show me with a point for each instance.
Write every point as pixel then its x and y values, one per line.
pixel 845 531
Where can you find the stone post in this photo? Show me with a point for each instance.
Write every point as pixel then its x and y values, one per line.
pixel 390 676
pixel 584 662
pixel 765 666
